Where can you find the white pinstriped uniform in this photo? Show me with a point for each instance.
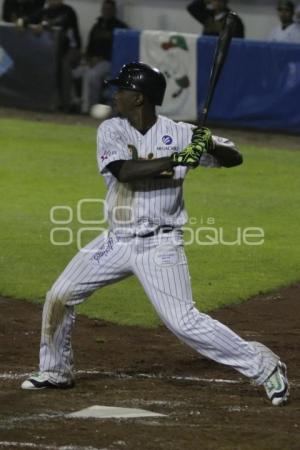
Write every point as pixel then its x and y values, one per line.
pixel 158 261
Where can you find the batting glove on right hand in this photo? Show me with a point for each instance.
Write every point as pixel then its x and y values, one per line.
pixel 189 157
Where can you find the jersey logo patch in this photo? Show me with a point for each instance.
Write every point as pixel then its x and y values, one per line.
pixel 167 140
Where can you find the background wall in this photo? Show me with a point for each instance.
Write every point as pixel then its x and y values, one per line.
pixel 259 16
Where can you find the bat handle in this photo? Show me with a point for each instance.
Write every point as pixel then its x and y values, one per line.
pixel 202 121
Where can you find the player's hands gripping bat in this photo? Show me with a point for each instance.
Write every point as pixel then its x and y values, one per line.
pixel 218 63
pixel 202 139
pixel 190 155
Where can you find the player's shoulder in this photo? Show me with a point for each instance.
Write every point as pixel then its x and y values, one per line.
pixel 113 124
pixel 179 125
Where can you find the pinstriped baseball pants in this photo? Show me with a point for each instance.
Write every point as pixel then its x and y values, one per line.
pixel 159 262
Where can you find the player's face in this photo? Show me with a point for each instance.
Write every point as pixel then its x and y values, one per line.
pixel 125 101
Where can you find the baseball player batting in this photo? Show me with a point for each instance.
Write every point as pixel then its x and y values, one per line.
pixel 144 158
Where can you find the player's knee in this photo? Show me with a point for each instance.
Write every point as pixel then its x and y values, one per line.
pixel 189 321
pixel 59 294
pixel 183 328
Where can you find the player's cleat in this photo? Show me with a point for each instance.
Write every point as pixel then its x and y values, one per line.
pixel 40 381
pixel 277 385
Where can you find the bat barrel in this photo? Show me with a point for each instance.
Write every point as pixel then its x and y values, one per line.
pixel 218 61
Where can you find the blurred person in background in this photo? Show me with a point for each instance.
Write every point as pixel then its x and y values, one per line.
pixel 297 14
pixel 12 10
pixel 212 15
pixel 288 30
pixel 58 14
pixel 96 63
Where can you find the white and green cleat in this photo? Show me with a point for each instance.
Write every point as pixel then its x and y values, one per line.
pixel 41 381
pixel 277 385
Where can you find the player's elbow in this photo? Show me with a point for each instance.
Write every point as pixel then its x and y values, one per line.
pixel 237 159
pixel 123 178
pixel 233 159
pixel 116 168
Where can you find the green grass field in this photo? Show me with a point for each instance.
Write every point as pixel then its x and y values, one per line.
pixel 43 165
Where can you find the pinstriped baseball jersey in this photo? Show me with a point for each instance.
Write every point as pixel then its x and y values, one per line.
pixel 144 205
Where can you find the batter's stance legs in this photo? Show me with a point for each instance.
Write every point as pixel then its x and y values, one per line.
pixel 163 272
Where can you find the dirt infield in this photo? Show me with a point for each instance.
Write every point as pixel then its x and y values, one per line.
pixel 208 406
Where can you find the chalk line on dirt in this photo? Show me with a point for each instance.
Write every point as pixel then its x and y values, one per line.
pixel 128 376
pixel 8 444
pixel 135 375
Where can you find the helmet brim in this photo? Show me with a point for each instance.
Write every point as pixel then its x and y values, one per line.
pixel 123 84
pixel 113 82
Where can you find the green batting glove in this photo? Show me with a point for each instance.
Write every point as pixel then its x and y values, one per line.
pixel 202 139
pixel 189 157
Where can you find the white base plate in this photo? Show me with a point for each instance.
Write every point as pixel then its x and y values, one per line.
pixel 111 412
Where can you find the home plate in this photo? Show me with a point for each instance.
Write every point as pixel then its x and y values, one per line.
pixel 111 412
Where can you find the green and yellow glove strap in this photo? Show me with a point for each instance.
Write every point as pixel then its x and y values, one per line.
pixel 203 136
pixel 189 156
pixel 199 147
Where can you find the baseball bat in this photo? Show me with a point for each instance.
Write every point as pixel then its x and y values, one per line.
pixel 218 62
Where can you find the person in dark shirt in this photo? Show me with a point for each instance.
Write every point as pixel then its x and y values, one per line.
pixel 101 35
pixel 96 64
pixel 212 14
pixel 13 10
pixel 288 30
pixel 58 14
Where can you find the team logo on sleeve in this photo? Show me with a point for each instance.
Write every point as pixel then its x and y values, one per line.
pixel 104 156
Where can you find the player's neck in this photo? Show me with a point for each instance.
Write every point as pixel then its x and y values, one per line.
pixel 143 120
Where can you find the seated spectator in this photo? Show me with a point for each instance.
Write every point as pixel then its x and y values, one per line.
pixel 96 64
pixel 13 10
pixel 57 14
pixel 212 15
pixel 297 14
pixel 288 30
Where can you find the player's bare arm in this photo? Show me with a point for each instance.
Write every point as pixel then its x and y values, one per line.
pixel 126 171
pixel 223 150
pixel 226 153
pixel 220 148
